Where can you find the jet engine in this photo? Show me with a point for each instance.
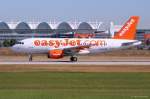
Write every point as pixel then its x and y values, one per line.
pixel 55 54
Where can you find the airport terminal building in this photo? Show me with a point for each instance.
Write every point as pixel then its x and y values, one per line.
pixel 22 30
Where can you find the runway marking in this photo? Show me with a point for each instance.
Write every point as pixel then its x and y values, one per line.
pixel 133 63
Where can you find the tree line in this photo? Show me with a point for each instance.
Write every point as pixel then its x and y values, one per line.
pixel 8 43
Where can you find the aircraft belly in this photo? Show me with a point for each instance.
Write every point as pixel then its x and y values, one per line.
pixel 98 50
pixel 35 50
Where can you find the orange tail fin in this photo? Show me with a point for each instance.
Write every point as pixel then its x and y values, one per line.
pixel 128 31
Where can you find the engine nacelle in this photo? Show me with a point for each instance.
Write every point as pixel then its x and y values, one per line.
pixel 55 54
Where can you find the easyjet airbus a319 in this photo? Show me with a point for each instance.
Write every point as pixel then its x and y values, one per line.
pixel 56 48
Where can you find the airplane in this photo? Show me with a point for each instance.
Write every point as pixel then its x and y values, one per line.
pixel 56 48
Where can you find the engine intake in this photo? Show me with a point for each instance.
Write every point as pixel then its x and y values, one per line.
pixel 55 54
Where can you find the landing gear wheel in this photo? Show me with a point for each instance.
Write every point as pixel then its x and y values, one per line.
pixel 30 58
pixel 73 59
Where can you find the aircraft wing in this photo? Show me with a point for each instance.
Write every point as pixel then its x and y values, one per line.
pixel 75 49
pixel 131 44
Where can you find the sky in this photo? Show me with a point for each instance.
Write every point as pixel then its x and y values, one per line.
pixel 81 10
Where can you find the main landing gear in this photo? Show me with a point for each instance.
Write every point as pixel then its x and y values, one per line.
pixel 30 58
pixel 73 59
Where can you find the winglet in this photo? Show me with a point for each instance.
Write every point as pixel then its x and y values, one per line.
pixel 128 31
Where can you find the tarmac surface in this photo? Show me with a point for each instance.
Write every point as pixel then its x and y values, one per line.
pixel 80 66
pixel 121 62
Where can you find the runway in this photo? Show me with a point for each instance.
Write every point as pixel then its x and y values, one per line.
pixel 85 63
pixel 81 66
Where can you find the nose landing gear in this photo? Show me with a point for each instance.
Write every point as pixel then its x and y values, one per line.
pixel 30 58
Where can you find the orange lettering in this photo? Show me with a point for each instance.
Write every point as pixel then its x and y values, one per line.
pixel 37 42
pixel 51 43
pixel 57 44
pixel 72 43
pixel 44 43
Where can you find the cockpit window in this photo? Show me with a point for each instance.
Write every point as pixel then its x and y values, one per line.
pixel 20 43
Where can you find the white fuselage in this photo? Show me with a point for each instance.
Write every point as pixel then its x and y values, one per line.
pixel 44 45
